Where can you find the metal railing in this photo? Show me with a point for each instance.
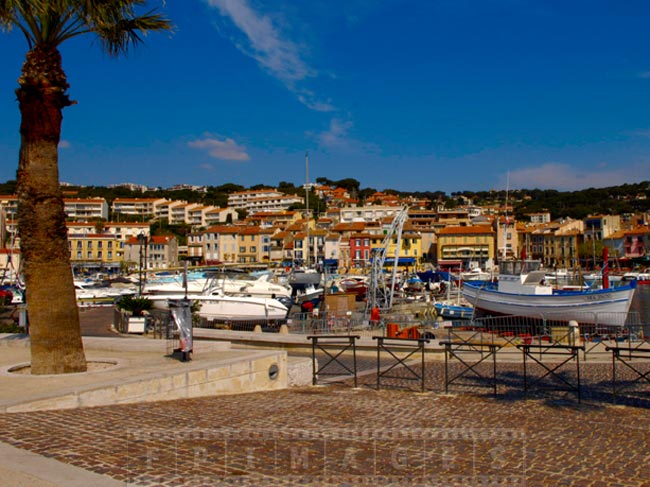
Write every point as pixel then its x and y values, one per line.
pixel 625 356
pixel 399 351
pixel 333 347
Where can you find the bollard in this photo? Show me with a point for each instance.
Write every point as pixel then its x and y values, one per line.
pixel 257 329
pixel 284 330
pixel 574 333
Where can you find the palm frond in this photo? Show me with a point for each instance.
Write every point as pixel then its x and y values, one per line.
pixel 118 23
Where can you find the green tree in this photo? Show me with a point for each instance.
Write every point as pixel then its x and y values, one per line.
pixel 56 345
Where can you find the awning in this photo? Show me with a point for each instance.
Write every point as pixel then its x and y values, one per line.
pixel 401 260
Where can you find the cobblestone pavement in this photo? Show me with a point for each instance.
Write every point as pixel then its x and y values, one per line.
pixel 339 435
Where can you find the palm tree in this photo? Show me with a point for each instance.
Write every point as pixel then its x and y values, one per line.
pixel 56 345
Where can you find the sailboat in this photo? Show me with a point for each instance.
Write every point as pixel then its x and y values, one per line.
pixel 302 278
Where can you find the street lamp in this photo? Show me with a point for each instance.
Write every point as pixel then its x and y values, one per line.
pixel 143 240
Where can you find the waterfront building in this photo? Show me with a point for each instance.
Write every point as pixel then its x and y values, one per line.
pixel 507 239
pixel 95 251
pixel 559 241
pixel 360 249
pixel 250 245
pixel 462 245
pixel 153 253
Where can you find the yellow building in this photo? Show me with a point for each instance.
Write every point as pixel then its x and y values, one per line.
pixel 462 245
pixel 95 250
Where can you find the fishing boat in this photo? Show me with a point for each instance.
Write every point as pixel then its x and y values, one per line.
pixel 522 290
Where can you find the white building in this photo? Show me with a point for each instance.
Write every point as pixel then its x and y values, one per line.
pixel 368 213
pixel 86 209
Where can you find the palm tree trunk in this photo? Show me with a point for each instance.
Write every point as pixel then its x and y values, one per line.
pixel 56 345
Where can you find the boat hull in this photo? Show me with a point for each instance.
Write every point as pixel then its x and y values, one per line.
pixel 230 308
pixel 605 306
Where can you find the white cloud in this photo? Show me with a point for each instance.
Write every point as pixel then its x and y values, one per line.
pixel 280 56
pixel 226 149
pixel 565 177
pixel 337 134
pixel 641 132
pixel 64 144
pixel 273 50
pixel 644 74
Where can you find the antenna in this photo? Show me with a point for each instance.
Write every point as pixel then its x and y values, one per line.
pixel 307 205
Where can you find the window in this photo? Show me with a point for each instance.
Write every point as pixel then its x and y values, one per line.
pixel 99 245
pixel 110 245
pixel 242 250
pixel 78 255
pixel 253 249
pixel 99 254
pixel 110 255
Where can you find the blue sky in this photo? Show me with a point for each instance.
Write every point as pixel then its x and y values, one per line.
pixel 413 95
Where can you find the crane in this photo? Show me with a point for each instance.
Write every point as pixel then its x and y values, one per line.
pixel 380 290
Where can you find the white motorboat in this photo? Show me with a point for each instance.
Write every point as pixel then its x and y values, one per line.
pixel 221 307
pixel 476 274
pixel 521 290
pixel 231 284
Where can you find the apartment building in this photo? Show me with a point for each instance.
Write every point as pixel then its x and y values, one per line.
pixel 540 218
pixel 86 209
pixel 465 245
pixel 153 253
pixel 600 227
pixel 250 245
pixel 214 216
pixel 142 207
pixel 94 250
pixel 367 213
pixel 262 200
pixel 274 203
pixel 559 242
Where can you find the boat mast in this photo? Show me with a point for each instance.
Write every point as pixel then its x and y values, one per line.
pixel 505 228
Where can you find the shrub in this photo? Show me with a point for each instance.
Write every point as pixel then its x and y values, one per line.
pixel 135 304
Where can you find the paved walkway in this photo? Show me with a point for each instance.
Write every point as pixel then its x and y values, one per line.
pixel 338 435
